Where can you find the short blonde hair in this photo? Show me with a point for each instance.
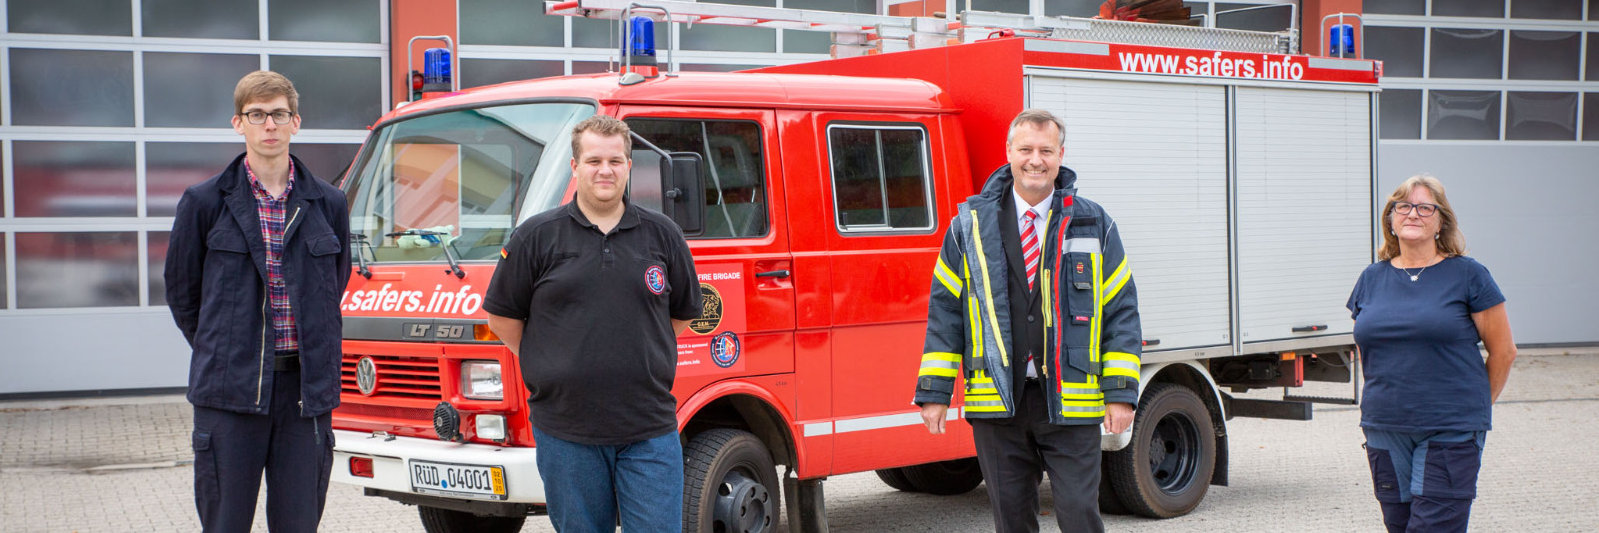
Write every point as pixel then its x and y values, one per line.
pixel 1450 241
pixel 1037 118
pixel 264 85
pixel 604 126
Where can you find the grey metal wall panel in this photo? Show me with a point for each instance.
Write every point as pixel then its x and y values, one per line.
pixel 1304 225
pixel 1155 155
pixel 92 351
pixel 1527 212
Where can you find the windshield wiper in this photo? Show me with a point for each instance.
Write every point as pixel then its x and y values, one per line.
pixel 359 240
pixel 434 237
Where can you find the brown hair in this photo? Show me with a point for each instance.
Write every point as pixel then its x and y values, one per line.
pixel 1450 241
pixel 264 85
pixel 1038 118
pixel 604 126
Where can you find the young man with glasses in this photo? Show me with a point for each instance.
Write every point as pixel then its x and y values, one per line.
pixel 258 259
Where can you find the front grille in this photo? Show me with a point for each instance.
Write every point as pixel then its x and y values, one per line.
pixel 397 376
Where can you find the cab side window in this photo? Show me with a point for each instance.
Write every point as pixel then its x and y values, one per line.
pixel 881 180
pixel 734 173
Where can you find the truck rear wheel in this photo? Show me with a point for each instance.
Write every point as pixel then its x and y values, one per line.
pixel 729 484
pixel 1166 470
pixel 436 520
pixel 945 478
pixel 895 477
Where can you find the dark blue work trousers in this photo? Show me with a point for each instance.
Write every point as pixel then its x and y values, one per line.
pixel 232 449
pixel 1425 481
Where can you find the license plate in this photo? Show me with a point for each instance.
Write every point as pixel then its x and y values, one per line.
pixel 470 481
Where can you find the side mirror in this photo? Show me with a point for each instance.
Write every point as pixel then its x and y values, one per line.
pixel 684 197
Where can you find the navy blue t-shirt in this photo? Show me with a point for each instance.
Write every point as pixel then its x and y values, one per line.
pixel 1418 346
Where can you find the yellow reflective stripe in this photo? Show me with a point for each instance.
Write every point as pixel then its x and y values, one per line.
pixel 1116 281
pixel 1094 323
pixel 1049 319
pixel 941 356
pixel 983 391
pixel 988 291
pixel 1117 371
pixel 1097 404
pixel 981 378
pixel 947 277
pixel 985 408
pixel 1095 396
pixel 1121 356
pixel 971 315
pixel 1082 414
pixel 938 372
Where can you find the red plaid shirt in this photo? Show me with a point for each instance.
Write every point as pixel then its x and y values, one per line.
pixel 272 212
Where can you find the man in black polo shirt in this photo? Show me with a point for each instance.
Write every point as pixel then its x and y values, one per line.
pixel 590 297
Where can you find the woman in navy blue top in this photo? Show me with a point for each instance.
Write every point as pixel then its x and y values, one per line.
pixel 1419 313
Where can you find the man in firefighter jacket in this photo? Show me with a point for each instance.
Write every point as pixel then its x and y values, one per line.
pixel 1033 304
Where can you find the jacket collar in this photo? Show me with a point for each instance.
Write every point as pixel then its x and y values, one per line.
pixel 234 179
pixel 998 185
pixel 629 215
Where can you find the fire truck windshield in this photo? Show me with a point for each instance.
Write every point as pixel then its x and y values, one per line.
pixel 459 179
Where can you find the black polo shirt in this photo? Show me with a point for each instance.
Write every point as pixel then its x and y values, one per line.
pixel 598 354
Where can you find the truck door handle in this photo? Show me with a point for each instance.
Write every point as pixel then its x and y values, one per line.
pixel 1151 342
pixel 781 273
pixel 1307 329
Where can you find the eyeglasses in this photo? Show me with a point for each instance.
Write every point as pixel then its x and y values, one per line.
pixel 259 117
pixel 1422 210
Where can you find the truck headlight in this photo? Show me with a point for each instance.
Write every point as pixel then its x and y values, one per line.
pixel 490 427
pixel 480 380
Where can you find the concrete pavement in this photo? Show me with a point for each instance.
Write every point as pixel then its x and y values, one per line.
pixel 124 465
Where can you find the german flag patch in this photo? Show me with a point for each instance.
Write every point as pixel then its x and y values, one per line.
pixel 502 253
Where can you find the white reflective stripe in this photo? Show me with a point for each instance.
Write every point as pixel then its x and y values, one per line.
pixel 878 422
pixel 1082 244
pixel 815 429
pixel 1067 47
pixel 952 414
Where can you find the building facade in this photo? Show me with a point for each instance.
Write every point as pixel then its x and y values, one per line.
pixel 110 108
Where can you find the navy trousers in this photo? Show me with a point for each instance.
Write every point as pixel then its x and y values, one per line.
pixel 231 450
pixel 1013 454
pixel 1425 481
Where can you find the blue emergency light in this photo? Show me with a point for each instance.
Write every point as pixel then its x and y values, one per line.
pixel 1341 40
pixel 436 67
pixel 641 41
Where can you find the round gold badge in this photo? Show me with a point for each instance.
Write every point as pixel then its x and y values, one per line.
pixel 711 311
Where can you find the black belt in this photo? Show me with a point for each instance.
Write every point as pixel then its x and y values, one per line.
pixel 286 362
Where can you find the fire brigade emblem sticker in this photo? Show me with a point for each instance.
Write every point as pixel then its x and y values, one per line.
pixel 711 311
pixel 366 375
pixel 655 279
pixel 725 349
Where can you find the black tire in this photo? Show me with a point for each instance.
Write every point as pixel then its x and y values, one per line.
pixel 946 478
pixel 436 520
pixel 1109 504
pixel 895 477
pixel 1166 470
pixel 729 484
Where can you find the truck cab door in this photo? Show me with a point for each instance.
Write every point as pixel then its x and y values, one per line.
pixel 741 253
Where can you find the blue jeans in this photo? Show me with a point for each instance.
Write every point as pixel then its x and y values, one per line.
pixel 1425 481
pixel 586 486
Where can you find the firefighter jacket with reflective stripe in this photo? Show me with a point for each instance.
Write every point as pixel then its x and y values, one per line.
pixel 1091 339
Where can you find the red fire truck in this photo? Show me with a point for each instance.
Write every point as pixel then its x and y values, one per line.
pixel 815 197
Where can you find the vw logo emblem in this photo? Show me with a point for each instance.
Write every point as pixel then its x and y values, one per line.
pixel 366 375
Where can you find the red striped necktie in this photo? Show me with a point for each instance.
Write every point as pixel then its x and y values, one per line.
pixel 1030 250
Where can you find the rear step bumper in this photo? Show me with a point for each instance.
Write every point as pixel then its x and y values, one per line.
pixel 391 459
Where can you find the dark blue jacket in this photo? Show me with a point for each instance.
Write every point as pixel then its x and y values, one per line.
pixel 216 287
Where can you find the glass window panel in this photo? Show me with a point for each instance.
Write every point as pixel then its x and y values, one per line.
pixel 807 42
pixel 879 178
pixel 1003 6
pixel 193 90
pixel 207 19
pixel 734 173
pixel 480 72
pixel 1546 9
pixel 71 88
pixel 1540 116
pixel 708 67
pixel 1592 60
pixel 729 38
pixel 169 168
pixel 1275 18
pixel 1593 9
pixel 77 269
pixel 1544 55
pixel 846 6
pixel 1396 7
pixel 1463 115
pixel 1590 117
pixel 1081 8
pixel 85 17
pixel 1463 53
pixel 156 243
pixel 326 161
pixel 1398 48
pixel 509 22
pixel 1401 113
pixel 74 179
pixel 3 264
pixel 345 21
pixel 1467 8
pixel 335 92
pixel 595 33
pixel 591 67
